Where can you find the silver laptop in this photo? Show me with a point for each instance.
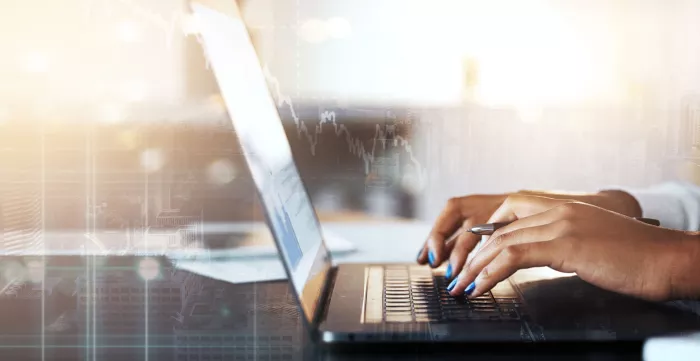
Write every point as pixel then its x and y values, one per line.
pixel 390 302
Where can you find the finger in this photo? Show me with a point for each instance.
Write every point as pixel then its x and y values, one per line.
pixel 485 256
pixel 552 254
pixel 446 224
pixel 460 249
pixel 541 233
pixel 421 257
pixel 519 206
pixel 550 216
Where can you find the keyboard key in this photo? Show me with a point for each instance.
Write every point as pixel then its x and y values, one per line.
pixel 399 318
pixel 425 303
pixel 428 311
pixel 398 303
pixel 398 293
pixel 507 300
pixel 482 305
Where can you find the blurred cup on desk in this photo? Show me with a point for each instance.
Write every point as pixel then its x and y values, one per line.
pixel 381 202
pixel 329 199
pixel 677 348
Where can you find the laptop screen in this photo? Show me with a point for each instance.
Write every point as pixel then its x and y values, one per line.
pixel 254 115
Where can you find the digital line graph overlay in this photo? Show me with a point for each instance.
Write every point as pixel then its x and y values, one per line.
pixel 178 18
pixel 355 145
pixel 181 19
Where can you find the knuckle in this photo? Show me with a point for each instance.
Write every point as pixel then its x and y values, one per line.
pixel 457 252
pixel 469 267
pixel 453 203
pixel 499 240
pixel 455 260
pixel 464 273
pixel 573 239
pixel 434 239
pixel 505 239
pixel 511 199
pixel 514 198
pixel 513 254
pixel 485 273
pixel 567 210
pixel 565 225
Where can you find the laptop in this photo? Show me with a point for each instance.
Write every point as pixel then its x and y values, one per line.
pixel 352 303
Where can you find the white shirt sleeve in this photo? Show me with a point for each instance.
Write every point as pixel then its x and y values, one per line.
pixel 675 204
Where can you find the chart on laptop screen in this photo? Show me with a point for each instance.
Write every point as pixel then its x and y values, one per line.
pixel 290 213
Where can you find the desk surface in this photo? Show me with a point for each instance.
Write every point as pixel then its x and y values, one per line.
pixel 115 308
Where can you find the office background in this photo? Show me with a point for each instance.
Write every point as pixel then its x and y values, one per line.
pixel 111 119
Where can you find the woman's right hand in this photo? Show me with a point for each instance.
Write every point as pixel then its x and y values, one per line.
pixel 468 211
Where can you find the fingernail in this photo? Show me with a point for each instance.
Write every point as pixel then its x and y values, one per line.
pixel 431 258
pixel 448 272
pixel 470 289
pixel 420 252
pixel 452 285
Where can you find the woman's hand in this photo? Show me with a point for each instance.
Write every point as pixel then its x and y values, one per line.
pixel 607 249
pixel 471 210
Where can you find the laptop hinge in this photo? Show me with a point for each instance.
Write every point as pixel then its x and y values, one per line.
pixel 324 301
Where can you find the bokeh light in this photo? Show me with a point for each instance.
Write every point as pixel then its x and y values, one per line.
pixel 149 269
pixel 35 270
pixel 128 31
pixel 221 171
pixel 152 160
pixel 318 31
pixel 313 31
pixel 13 271
pixel 111 113
pixel 338 28
pixel 128 139
pixel 135 90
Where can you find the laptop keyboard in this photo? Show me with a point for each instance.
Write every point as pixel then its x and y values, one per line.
pixel 419 294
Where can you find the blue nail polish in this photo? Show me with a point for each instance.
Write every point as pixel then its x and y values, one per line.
pixel 470 289
pixel 431 258
pixel 448 272
pixel 452 285
pixel 420 252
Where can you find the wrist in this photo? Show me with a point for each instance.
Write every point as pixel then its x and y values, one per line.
pixel 620 202
pixel 685 274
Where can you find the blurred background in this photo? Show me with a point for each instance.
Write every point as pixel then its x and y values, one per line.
pixel 111 122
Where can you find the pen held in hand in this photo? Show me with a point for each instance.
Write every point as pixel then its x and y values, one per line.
pixel 489 228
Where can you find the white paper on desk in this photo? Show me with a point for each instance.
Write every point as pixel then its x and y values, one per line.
pixel 237 271
pixel 253 263
pixel 334 243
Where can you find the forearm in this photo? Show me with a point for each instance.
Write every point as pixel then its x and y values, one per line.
pixel 613 200
pixel 685 268
pixel 619 201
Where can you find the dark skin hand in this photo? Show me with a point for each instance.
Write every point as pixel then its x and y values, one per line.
pixel 471 210
pixel 604 248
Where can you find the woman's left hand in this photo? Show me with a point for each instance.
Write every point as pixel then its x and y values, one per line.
pixel 607 249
